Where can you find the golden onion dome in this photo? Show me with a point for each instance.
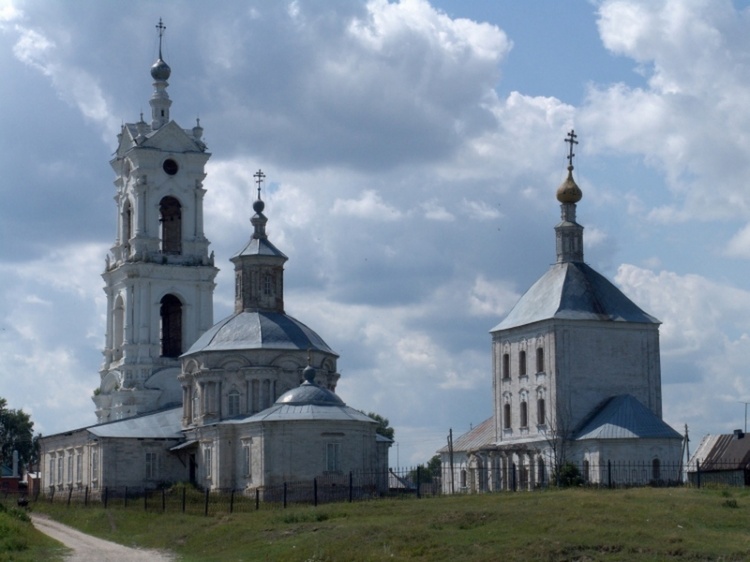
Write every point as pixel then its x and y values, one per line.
pixel 569 192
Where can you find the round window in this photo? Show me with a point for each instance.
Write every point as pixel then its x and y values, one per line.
pixel 170 167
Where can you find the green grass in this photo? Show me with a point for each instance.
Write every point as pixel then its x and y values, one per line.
pixel 20 541
pixel 565 525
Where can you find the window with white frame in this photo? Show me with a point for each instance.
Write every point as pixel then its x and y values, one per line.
pixel 207 455
pixel 333 457
pixel 152 465
pixel 233 403
pixel 95 467
pixel 60 469
pixel 70 467
pixel 79 466
pixel 522 363
pixel 247 460
pixel 51 470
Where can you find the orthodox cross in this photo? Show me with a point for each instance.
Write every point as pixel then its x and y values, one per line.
pixel 161 27
pixel 260 176
pixel 572 140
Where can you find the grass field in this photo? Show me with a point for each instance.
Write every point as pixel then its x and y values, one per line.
pixel 19 541
pixel 556 525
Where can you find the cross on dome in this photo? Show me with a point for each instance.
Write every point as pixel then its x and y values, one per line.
pixel 259 177
pixel 571 140
pixel 161 28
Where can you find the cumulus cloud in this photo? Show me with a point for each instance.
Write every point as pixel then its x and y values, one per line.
pixel 689 122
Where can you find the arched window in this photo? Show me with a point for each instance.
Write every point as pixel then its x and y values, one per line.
pixel 171 326
pixel 586 467
pixel 127 222
pixel 539 359
pixel 506 365
pixel 656 470
pixel 522 364
pixel 463 478
pixel 118 321
pixel 233 403
pixel 541 415
pixel 170 212
pixel 524 414
pixel 506 416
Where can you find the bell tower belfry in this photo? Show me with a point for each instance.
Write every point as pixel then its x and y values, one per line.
pixel 159 277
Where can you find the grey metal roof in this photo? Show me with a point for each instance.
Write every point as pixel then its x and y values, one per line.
pixel 259 330
pixel 260 247
pixel 166 424
pixel 305 412
pixel 310 393
pixel 624 417
pixel 482 435
pixel 573 291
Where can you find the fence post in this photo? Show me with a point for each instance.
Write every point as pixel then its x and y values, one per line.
pixel 257 499
pixel 284 495
pixel 419 480
pixel 351 487
pixel 163 500
pixel 184 491
pixel 609 474
pixel 106 492
pixel 52 496
pixel 698 473
pixel 231 502
pixel 205 505
pixel 513 476
pixel 70 494
pixel 315 492
pixel 86 497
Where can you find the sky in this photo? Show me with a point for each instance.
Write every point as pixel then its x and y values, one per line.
pixel 412 151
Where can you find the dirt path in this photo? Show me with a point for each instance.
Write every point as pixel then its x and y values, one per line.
pixel 91 549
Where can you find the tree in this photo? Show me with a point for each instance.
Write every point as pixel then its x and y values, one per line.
pixel 427 471
pixel 16 434
pixel 383 428
pixel 558 434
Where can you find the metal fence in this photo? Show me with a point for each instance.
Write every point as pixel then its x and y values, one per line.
pixel 401 483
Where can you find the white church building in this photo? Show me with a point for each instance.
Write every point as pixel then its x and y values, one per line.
pixel 243 404
pixel 576 379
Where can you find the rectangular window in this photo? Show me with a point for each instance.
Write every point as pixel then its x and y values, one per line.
pixel 51 470
pixel 333 457
pixel 247 461
pixel 70 467
pixel 267 283
pixel 506 366
pixel 233 404
pixel 207 461
pixel 522 364
pixel 524 414
pixel 539 360
pixel 540 412
pixel 95 466
pixel 79 466
pixel 60 469
pixel 152 466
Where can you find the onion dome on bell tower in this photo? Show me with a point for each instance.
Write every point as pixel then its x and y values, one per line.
pixel 568 233
pixel 160 72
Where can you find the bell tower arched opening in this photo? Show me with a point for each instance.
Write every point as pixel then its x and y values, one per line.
pixel 170 314
pixel 170 216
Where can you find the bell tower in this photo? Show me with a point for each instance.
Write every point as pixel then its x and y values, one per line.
pixel 159 277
